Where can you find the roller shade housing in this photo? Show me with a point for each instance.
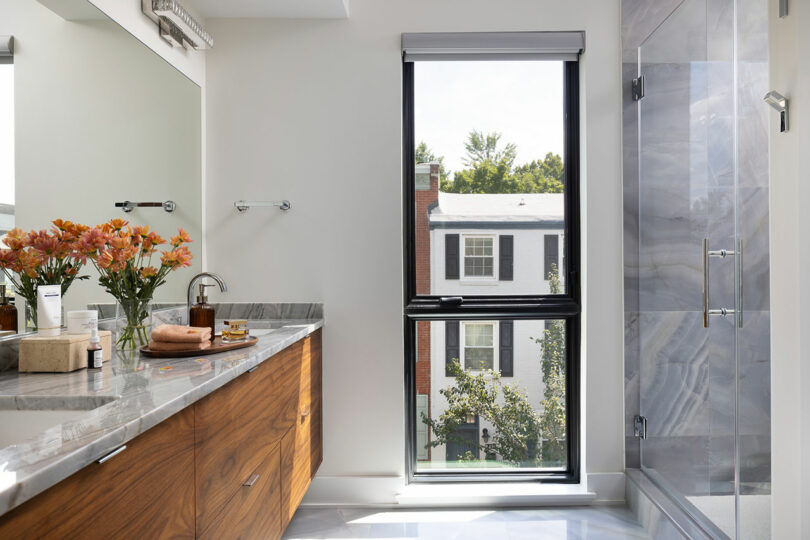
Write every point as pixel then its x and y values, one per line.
pixel 6 49
pixel 492 46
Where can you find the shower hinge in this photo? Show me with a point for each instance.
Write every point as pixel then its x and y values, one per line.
pixel 640 427
pixel 638 88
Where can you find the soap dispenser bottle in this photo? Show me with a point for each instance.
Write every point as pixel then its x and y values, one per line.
pixel 202 314
pixel 8 312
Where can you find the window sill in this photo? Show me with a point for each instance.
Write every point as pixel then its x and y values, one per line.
pixel 494 494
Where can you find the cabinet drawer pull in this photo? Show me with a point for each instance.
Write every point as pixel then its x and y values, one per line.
pixel 305 413
pixel 252 480
pixel 254 368
pixel 112 454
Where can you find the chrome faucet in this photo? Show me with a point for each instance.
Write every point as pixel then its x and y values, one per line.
pixel 198 277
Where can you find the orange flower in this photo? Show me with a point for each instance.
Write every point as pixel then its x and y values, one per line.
pixel 177 258
pixel 29 262
pixel 63 225
pixel 113 225
pixel 104 259
pixel 92 241
pixel 182 237
pixel 120 242
pixel 44 242
pixel 9 258
pixel 149 271
pixel 16 239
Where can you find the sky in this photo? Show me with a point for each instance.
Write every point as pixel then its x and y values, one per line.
pixel 7 133
pixel 521 100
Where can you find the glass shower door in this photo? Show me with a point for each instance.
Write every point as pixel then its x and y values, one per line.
pixel 687 213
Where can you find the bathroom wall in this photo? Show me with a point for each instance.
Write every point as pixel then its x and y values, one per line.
pixel 101 118
pixel 790 275
pixel 311 111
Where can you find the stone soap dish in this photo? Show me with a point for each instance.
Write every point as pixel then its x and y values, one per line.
pixel 217 346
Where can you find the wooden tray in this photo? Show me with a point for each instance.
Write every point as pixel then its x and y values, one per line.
pixel 216 347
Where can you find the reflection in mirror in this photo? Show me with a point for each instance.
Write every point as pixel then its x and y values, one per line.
pixel 89 116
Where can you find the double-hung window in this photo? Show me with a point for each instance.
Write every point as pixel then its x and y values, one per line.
pixel 479 346
pixel 479 257
pixel 491 251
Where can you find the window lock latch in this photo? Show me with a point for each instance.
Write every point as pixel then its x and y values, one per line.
pixel 453 300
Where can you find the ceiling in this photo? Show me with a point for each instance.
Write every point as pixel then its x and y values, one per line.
pixel 286 9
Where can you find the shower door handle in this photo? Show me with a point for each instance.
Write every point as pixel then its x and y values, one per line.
pixel 739 283
pixel 705 283
pixel 722 253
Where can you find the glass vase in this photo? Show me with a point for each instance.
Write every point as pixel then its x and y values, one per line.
pixel 31 316
pixel 133 324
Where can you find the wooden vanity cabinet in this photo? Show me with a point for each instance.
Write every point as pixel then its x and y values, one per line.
pixel 146 491
pixel 263 428
pixel 236 464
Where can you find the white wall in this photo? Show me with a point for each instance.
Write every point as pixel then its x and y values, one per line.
pixel 790 274
pixel 311 111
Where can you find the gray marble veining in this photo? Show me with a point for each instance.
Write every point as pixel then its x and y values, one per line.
pixel 254 310
pixel 141 392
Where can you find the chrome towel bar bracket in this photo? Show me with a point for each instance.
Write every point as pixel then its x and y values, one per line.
pixel 129 206
pixel 244 206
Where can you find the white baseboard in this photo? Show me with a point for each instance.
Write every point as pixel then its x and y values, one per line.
pixel 608 487
pixel 354 491
pixel 391 491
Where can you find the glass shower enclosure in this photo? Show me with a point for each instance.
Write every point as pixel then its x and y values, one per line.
pixel 703 263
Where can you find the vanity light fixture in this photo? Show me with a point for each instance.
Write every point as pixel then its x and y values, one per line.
pixel 176 25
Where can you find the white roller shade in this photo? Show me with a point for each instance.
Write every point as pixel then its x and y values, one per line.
pixel 492 46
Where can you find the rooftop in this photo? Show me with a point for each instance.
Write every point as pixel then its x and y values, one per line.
pixel 527 208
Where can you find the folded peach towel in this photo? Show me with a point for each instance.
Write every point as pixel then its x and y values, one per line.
pixel 173 333
pixel 168 346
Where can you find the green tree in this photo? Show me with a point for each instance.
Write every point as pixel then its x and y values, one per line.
pixel 546 176
pixel 483 147
pixel 424 154
pixel 552 365
pixel 516 424
pixel 490 169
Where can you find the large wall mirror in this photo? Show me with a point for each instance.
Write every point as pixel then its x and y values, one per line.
pixel 89 116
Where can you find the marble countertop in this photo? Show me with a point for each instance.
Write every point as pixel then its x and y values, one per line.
pixel 131 395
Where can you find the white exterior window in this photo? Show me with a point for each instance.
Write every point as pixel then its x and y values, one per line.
pixel 479 346
pixel 479 257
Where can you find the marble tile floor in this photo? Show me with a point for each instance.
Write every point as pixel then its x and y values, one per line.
pixel 599 522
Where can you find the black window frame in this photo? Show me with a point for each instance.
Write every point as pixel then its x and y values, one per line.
pixel 566 306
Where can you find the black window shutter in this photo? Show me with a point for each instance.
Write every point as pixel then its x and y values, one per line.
pixel 507 348
pixel 451 348
pixel 451 256
pixel 551 247
pixel 506 257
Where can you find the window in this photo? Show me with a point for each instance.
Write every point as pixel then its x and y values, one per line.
pixel 479 346
pixel 478 256
pixel 491 254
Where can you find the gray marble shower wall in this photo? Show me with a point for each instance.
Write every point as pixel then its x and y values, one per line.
pixel 680 170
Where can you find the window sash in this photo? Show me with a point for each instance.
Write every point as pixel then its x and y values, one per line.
pixel 565 306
